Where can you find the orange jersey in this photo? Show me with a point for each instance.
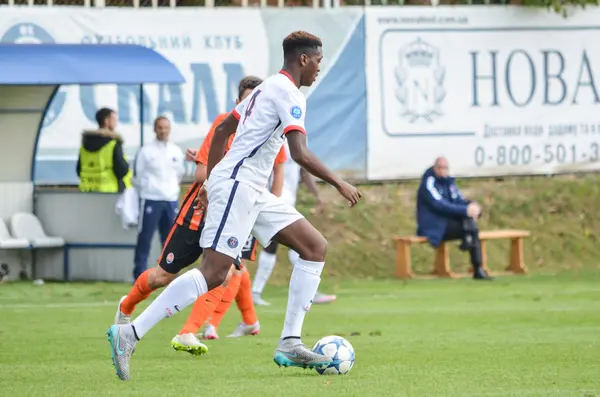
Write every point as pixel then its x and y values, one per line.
pixel 202 156
pixel 188 216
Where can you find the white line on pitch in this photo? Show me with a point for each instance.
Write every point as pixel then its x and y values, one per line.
pixel 54 305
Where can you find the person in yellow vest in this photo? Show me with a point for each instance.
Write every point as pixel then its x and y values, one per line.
pixel 102 166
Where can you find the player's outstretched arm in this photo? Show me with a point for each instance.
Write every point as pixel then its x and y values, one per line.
pixel 200 173
pixel 219 141
pixel 309 181
pixel 311 163
pixel 216 151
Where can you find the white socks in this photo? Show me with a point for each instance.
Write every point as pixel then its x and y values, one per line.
pixel 293 256
pixel 304 283
pixel 266 264
pixel 182 292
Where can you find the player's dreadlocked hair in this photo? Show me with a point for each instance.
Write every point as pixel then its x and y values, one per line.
pixel 300 41
pixel 248 83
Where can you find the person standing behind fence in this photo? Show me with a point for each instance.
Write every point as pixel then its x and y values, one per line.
pixel 102 166
pixel 159 167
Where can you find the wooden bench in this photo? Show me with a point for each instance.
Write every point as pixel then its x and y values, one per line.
pixel 441 267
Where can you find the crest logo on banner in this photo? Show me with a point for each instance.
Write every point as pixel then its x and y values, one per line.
pixel 420 79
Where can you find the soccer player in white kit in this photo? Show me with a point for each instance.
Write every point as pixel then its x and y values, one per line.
pixel 238 203
pixel 293 174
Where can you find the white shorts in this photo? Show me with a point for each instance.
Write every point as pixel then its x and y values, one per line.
pixel 289 197
pixel 236 210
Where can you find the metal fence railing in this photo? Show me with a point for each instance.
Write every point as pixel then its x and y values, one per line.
pixel 246 3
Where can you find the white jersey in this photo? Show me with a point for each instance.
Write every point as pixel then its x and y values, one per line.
pixel 273 109
pixel 291 179
pixel 159 167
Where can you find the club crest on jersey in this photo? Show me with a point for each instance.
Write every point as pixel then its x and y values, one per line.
pixel 170 258
pixel 296 112
pixel 232 242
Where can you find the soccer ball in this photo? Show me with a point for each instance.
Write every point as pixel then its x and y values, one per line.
pixel 339 350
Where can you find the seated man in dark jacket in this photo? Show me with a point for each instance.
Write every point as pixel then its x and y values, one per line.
pixel 444 214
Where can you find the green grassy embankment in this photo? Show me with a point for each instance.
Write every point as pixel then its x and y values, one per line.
pixel 561 212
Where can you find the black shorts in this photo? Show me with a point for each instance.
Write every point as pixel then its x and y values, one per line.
pixel 249 250
pixel 182 249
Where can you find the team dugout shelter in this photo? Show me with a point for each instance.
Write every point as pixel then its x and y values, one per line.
pixel 97 247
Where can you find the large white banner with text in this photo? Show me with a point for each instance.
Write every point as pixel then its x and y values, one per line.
pixel 213 49
pixel 497 91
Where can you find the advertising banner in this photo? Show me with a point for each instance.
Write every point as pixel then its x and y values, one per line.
pixel 497 91
pixel 213 49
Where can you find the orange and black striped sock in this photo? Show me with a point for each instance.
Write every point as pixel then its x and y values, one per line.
pixel 244 300
pixel 230 292
pixel 139 292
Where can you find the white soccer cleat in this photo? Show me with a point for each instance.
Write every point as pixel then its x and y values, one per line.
pixel 122 345
pixel 245 329
pixel 321 299
pixel 259 301
pixel 292 353
pixel 188 343
pixel 210 332
pixel 121 318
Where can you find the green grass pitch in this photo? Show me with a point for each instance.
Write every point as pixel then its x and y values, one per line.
pixel 516 336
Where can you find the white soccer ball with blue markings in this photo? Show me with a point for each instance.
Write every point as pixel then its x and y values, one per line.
pixel 340 351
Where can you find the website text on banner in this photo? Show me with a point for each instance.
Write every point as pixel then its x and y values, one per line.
pixel 497 91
